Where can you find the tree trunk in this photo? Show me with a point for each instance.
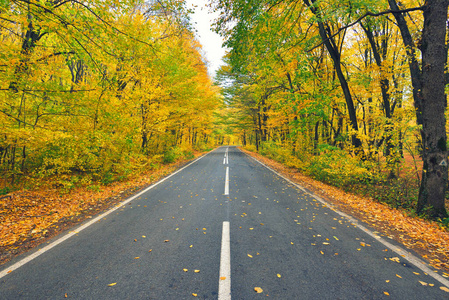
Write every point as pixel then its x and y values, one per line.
pixel 430 103
pixel 432 192
pixel 379 53
pixel 316 138
pixel 334 53
pixel 32 36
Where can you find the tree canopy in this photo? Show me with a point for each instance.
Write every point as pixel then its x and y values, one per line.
pixel 101 88
pixel 329 81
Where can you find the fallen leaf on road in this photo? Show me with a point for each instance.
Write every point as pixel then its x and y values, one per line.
pixel 386 293
pixel 222 278
pixel 398 276
pixel 422 282
pixel 194 295
pixel 258 290
pixel 185 270
pixel 196 271
pixel 112 284
pixel 136 257
pixel 166 241
pixel 444 289
pixel 249 255
pixel 150 250
pixel 279 275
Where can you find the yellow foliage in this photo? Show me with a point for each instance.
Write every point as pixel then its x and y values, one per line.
pixel 99 92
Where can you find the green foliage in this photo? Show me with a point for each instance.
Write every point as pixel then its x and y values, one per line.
pixel 445 222
pixel 188 154
pixel 337 167
pixel 5 190
pixel 171 155
pixel 274 151
pixel 397 192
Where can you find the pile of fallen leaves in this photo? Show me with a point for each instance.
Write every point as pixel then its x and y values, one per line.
pixel 28 218
pixel 425 237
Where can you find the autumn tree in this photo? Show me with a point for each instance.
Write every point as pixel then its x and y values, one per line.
pixel 299 50
pixel 99 90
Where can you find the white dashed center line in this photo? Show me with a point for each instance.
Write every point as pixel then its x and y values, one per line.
pixel 224 282
pixel 226 191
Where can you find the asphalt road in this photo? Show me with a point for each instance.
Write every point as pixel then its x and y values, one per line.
pixel 168 243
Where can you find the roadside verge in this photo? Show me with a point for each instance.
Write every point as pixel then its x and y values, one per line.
pixel 424 237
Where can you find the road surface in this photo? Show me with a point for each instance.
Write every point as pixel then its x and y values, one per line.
pixel 223 227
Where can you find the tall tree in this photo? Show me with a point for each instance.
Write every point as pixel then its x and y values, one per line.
pixel 334 52
pixel 428 80
pixel 280 27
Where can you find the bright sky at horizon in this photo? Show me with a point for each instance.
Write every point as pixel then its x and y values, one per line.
pixel 202 20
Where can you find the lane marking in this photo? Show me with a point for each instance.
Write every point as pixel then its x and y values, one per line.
pixel 226 157
pixel 224 280
pixel 420 264
pixel 226 191
pixel 94 220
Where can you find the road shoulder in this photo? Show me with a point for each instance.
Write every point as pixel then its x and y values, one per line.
pixel 421 236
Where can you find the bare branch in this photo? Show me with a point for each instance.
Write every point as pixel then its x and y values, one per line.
pixel 368 14
pixel 56 54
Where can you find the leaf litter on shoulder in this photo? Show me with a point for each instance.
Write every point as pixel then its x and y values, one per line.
pixel 29 218
pixel 425 237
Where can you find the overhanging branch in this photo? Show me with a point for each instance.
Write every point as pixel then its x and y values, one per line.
pixel 367 14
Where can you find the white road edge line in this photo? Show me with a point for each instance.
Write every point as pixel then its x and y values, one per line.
pixel 226 191
pixel 79 229
pixel 224 282
pixel 420 264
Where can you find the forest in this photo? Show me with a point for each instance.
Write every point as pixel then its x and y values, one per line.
pixel 352 93
pixel 349 92
pixel 99 91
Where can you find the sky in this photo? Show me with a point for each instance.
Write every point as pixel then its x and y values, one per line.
pixel 211 42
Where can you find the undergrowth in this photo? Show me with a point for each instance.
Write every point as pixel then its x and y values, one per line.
pixel 68 176
pixel 368 178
